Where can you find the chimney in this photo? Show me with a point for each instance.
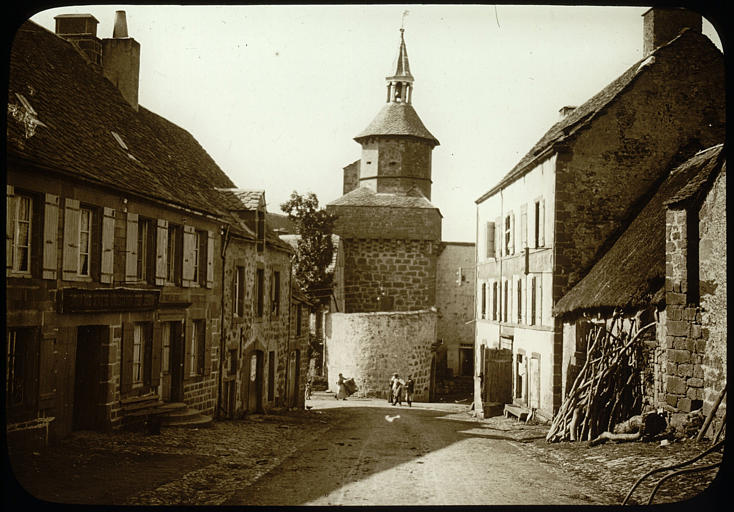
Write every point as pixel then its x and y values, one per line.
pixel 564 111
pixel 661 26
pixel 351 177
pixel 81 30
pixel 121 60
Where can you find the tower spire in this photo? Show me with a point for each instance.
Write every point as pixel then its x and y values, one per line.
pixel 400 84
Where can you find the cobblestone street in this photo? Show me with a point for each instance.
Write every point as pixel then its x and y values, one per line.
pixel 244 461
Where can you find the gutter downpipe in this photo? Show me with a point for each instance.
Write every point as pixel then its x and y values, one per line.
pixel 222 337
pixel 477 354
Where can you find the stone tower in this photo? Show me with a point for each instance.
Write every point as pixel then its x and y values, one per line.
pixel 389 229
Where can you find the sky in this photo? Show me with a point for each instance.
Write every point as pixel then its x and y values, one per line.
pixel 275 94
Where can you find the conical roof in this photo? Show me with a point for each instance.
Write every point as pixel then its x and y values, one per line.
pixel 402 67
pixel 397 119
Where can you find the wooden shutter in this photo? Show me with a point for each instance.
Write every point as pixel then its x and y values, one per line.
pixel 523 226
pixel 131 248
pixel 207 340
pixel 50 236
pixel 210 259
pixel 512 233
pixel 10 227
pixel 70 265
pixel 499 230
pixel 491 239
pixel 155 363
pixel 126 368
pixel 161 249
pixel 189 247
pixel 541 223
pixel 108 245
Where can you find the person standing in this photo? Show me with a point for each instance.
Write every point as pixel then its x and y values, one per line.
pixel 342 392
pixel 397 389
pixel 389 388
pixel 409 386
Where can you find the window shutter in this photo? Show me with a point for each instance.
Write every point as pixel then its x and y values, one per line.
pixel 188 255
pixel 126 370
pixel 499 231
pixel 207 347
pixel 210 259
pixel 50 236
pixel 108 245
pixel 523 227
pixel 161 249
pixel 10 227
pixel 541 224
pixel 131 248
pixel 512 233
pixel 491 238
pixel 70 264
pixel 155 363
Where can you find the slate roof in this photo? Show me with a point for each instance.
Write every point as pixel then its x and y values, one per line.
pixel 397 119
pixel 632 272
pixel 365 196
pixel 581 117
pixel 241 199
pixel 80 109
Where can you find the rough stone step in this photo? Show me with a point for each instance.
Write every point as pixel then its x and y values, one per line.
pixel 179 414
pixel 198 421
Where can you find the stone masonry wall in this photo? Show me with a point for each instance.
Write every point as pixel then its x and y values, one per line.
pixel 402 273
pixel 370 347
pixel 404 157
pixel 664 116
pixel 694 356
pixel 387 222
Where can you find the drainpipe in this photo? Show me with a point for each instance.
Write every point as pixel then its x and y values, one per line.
pixel 478 404
pixel 222 338
pixel 501 294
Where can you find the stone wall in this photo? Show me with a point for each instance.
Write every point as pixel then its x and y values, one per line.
pixel 390 157
pixel 455 299
pixel 389 275
pixel 694 359
pixel 387 222
pixel 661 119
pixel 370 347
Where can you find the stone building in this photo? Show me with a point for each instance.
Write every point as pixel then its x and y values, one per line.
pixel 113 280
pixel 402 297
pixel 544 226
pixel 257 311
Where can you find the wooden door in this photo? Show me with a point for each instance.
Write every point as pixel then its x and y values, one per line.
pixel 498 375
pixel 534 382
pixel 177 362
pixel 255 382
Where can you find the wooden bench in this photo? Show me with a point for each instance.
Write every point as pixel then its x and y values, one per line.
pixel 521 413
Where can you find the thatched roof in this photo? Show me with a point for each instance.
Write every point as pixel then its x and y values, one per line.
pixel 632 272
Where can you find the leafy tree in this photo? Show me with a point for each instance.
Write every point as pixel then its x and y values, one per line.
pixel 314 254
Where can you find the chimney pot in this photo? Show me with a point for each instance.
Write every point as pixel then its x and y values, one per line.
pixel 120 30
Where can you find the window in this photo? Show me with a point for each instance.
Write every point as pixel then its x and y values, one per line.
pixel 260 290
pixel 299 319
pixel 21 369
pixel 484 300
pixel 144 247
pixel 197 252
pixel 532 301
pixel 519 301
pixel 539 234
pixel 174 254
pixel 85 240
pixel 20 211
pixel 198 347
pixel 490 240
pixel 239 291
pixel 509 242
pixel 275 294
pixel 494 301
pixel 524 226
pixel 506 294
pixel 260 230
pixel 142 352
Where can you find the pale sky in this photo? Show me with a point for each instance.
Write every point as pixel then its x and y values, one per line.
pixel 275 94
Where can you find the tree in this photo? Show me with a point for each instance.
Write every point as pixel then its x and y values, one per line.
pixel 314 254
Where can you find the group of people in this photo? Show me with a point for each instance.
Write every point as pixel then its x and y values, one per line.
pixel 398 388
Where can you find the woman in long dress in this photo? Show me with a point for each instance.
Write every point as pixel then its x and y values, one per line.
pixel 342 392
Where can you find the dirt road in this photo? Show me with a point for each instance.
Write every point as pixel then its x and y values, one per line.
pixel 375 454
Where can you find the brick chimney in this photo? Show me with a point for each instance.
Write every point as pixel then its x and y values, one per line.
pixel 660 26
pixel 121 60
pixel 81 30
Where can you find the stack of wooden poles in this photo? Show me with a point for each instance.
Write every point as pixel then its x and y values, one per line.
pixel 609 387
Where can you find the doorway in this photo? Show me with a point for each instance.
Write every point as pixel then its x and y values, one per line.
pixel 172 361
pixel 87 387
pixel 295 372
pixel 255 382
pixel 466 361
